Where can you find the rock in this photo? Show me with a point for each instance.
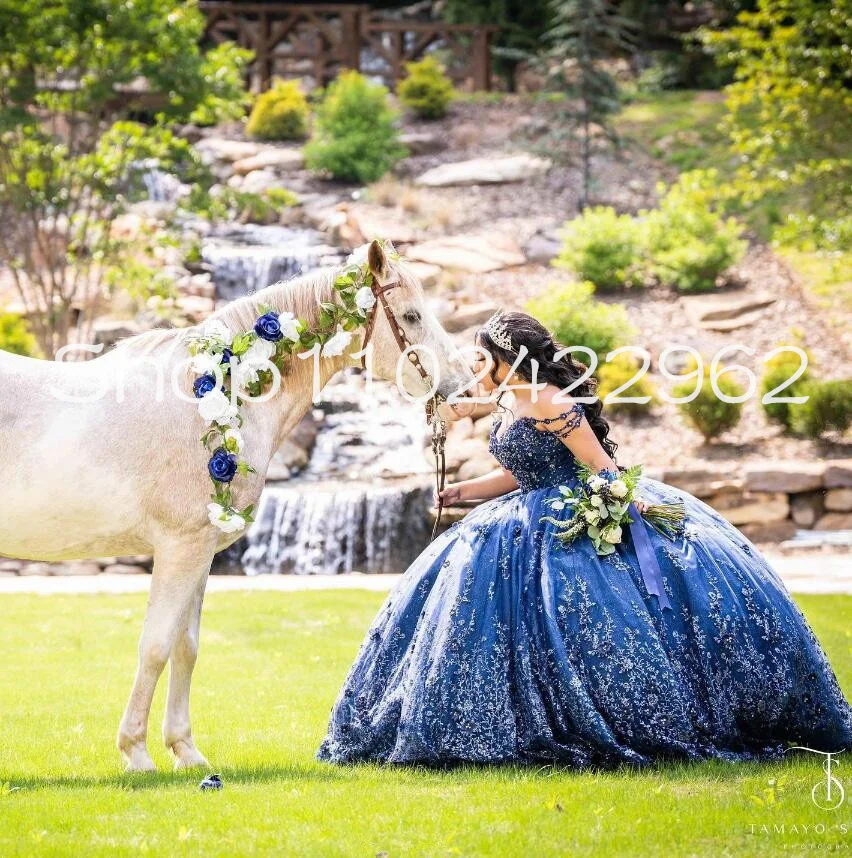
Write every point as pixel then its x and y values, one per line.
pixel 256 182
pixel 127 226
pixel 775 531
pixel 125 569
pixel 460 452
pixel 751 507
pixel 195 308
pixel 474 253
pixel 381 223
pixel 839 500
pixel 482 427
pixel 838 473
pixel 467 316
pixel 89 568
pixel 806 508
pixel 135 560
pixel 36 569
pixel 276 158
pixel 834 521
pixel 702 481
pixel 427 274
pixel 725 312
pixel 790 477
pixel 485 171
pixel 542 248
pixel 108 331
pixel 13 566
pixel 221 149
pixel 422 142
pixel 152 211
pixel 459 430
pixel 476 467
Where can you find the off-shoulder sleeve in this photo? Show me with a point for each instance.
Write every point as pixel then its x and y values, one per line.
pixel 563 424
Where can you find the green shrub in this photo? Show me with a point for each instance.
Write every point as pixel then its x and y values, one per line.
pixel 15 335
pixel 355 138
pixel 778 370
pixel 613 374
pixel 280 113
pixel 829 406
pixel 571 312
pixel 603 247
pixel 707 413
pixel 427 90
pixel 689 244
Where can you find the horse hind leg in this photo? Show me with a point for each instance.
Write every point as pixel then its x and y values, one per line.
pixel 178 573
pixel 177 731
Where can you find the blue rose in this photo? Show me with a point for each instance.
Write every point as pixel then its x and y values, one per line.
pixel 268 327
pixel 222 466
pixel 227 354
pixel 203 385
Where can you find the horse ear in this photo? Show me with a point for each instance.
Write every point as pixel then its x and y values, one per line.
pixel 378 261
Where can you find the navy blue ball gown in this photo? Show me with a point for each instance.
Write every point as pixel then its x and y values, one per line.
pixel 502 644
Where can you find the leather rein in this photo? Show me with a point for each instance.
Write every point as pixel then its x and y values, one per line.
pixel 438 426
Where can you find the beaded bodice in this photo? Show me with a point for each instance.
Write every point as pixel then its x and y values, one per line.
pixel 533 451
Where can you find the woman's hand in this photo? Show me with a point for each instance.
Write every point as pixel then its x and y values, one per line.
pixel 641 506
pixel 451 494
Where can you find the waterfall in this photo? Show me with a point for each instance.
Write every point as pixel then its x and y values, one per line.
pixel 249 258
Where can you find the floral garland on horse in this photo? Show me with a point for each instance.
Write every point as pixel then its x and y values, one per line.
pixel 228 364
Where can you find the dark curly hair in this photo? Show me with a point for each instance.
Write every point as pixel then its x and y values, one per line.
pixel 541 346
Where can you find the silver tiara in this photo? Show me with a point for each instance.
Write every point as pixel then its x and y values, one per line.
pixel 498 332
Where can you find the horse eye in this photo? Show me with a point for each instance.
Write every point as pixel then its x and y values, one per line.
pixel 411 316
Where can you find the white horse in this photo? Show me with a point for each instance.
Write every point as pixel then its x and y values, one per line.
pixel 111 477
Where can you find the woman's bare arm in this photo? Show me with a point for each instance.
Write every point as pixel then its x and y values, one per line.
pixel 491 485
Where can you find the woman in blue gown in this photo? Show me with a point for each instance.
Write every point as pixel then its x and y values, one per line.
pixel 500 643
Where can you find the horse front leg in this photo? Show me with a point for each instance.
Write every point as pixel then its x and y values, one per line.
pixel 177 732
pixel 179 570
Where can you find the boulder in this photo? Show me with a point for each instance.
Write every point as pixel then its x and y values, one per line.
pixel 473 253
pixel 790 477
pixel 806 508
pixel 255 182
pixel 427 274
pixel 229 151
pixel 543 247
pixel 36 569
pixel 839 500
pixel 10 566
pixel 133 560
pixel 125 569
pixel 108 332
pixel 278 159
pixel 469 315
pixel 374 222
pixel 775 531
pixel 485 171
pixel 726 312
pixel 477 466
pixel 703 481
pixel 751 507
pixel 832 521
pixel 838 473
pixel 422 142
pixel 82 568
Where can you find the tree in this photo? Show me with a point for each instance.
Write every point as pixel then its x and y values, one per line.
pixel 520 26
pixel 790 106
pixel 584 38
pixel 70 75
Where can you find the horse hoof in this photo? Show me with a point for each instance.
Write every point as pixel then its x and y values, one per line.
pixel 140 764
pixel 187 756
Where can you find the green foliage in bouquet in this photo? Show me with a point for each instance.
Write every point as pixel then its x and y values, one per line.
pixel 576 318
pixel 603 247
pixel 355 138
pixel 280 113
pixel 427 90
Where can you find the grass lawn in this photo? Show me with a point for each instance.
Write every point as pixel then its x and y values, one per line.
pixel 268 673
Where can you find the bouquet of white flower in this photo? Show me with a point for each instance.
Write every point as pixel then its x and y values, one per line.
pixel 602 506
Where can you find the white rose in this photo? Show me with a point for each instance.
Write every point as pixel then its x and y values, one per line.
pixel 365 298
pixel 204 363
pixel 215 329
pixel 225 521
pixel 337 344
pixel 260 350
pixel 215 407
pixel 612 535
pixel 591 516
pixel 618 488
pixel 596 500
pixel 359 255
pixel 595 482
pixel 289 326
pixel 234 434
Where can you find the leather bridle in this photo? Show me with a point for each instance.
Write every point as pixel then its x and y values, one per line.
pixel 438 426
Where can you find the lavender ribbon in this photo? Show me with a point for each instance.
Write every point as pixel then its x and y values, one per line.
pixel 650 568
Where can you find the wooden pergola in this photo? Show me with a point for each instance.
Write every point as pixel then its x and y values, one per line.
pixel 292 40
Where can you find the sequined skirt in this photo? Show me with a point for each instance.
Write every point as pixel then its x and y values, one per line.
pixel 502 644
